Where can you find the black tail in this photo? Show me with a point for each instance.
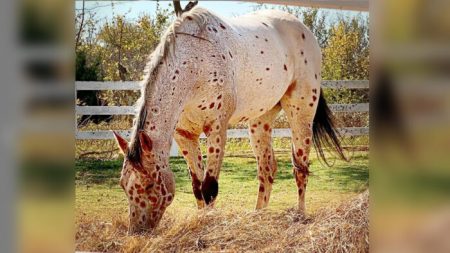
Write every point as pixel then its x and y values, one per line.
pixel 324 131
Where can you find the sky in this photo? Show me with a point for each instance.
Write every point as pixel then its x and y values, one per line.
pixel 133 9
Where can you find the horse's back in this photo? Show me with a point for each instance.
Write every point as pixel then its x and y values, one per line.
pixel 270 46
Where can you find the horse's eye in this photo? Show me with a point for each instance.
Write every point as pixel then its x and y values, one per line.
pixel 149 186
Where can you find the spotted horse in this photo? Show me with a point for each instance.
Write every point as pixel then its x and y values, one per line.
pixel 208 72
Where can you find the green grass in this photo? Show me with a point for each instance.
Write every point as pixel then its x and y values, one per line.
pixel 98 192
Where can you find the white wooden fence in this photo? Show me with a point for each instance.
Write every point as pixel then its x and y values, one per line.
pixel 231 133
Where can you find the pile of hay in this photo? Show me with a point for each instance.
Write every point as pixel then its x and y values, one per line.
pixel 341 229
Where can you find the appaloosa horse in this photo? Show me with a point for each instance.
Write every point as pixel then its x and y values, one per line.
pixel 209 72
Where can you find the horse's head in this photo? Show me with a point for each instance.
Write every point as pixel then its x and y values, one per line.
pixel 148 184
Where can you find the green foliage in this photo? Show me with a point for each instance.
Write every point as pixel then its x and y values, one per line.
pixel 85 71
pixel 119 50
pixel 346 56
pixel 130 44
pixel 88 71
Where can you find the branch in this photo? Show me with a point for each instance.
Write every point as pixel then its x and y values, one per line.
pixel 77 40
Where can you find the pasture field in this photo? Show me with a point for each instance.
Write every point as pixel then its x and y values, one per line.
pixel 102 210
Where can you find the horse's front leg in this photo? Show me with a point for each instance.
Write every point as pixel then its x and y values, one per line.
pixel 187 138
pixel 216 133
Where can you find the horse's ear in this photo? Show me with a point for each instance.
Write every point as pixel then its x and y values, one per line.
pixel 123 144
pixel 177 7
pixel 190 5
pixel 146 142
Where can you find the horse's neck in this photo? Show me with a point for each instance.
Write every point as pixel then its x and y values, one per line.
pixel 164 103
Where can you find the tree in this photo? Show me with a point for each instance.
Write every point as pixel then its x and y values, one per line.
pixel 346 56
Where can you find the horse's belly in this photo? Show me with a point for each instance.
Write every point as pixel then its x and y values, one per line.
pixel 258 95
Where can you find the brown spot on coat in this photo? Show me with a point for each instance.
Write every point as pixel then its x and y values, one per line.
pixel 211 105
pixel 266 127
pixel 152 199
pixel 291 88
pixel 186 134
pixel 185 152
pixel 211 149
pixel 196 187
pixel 285 67
pixel 270 179
pixel 207 129
pixel 261 188
pixel 222 26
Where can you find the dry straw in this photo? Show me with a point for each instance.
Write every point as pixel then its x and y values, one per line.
pixel 341 229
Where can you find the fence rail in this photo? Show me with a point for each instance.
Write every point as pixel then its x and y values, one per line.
pixel 130 110
pixel 231 133
pixel 133 85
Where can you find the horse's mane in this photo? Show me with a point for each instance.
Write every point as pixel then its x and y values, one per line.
pixel 164 52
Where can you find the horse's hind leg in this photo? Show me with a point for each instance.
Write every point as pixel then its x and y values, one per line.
pixel 300 104
pixel 187 138
pixel 261 141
